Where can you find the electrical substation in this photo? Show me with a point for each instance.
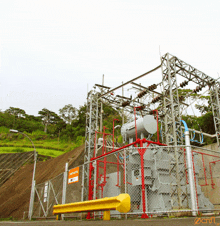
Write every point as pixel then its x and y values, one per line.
pixel 158 161
pixel 162 174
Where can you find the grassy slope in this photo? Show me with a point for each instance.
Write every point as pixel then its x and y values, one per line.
pixel 41 151
pixel 48 147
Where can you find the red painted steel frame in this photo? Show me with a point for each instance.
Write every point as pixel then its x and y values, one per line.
pixel 194 172
pixel 203 163
pixel 138 141
pixel 211 172
pixel 98 166
pixel 210 168
pixel 206 154
pixel 111 162
pixel 212 182
pixel 141 151
pixel 128 145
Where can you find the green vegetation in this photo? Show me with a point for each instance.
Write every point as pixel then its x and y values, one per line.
pixel 51 134
pixel 41 151
pixel 205 122
pixel 8 219
pixel 16 142
pixel 54 134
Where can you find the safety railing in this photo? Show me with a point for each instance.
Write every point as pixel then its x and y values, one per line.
pixel 120 203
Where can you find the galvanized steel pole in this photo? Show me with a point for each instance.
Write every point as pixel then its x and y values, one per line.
pixel 31 205
pixel 194 206
pixel 64 187
pixel 190 173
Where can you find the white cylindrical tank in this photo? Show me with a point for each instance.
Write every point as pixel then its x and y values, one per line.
pixel 146 125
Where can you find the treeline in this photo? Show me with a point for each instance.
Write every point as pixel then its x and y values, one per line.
pixel 68 125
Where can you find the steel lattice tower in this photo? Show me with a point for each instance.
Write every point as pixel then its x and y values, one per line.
pixel 92 116
pixel 215 96
pixel 171 126
pixel 172 132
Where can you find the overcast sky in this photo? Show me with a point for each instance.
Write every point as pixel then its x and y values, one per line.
pixel 51 50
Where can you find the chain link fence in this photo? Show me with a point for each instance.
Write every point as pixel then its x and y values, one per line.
pixel 159 180
pixel 207 173
pixel 48 194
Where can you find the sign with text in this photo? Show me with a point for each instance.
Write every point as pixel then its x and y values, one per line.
pixel 73 175
pixel 46 191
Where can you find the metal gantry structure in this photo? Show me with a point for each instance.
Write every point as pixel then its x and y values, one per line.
pixel 215 97
pixel 92 115
pixel 169 104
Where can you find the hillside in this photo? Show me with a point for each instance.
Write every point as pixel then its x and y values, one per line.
pixel 15 193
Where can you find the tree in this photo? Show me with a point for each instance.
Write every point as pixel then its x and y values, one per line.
pixel 204 108
pixel 48 117
pixel 109 114
pixel 79 122
pixel 68 113
pixel 17 112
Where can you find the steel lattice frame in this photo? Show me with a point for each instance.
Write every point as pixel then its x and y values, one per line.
pixel 201 79
pixel 92 115
pixel 171 126
pixel 215 97
pixel 170 120
pixel 172 132
pixel 169 113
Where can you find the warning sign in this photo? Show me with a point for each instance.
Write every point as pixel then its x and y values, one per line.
pixel 73 176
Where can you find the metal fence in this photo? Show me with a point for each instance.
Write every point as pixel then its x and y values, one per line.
pixel 48 194
pixel 159 180
pixel 206 167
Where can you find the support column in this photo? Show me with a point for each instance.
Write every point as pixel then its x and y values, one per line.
pixel 31 205
pixel 141 151
pixel 64 187
pixel 125 178
pixel 194 206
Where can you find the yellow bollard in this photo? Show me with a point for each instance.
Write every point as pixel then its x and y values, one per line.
pixel 58 216
pixel 106 216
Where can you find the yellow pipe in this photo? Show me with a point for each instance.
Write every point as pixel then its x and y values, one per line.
pixel 120 203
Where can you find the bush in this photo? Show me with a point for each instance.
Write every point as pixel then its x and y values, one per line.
pixel 39 135
pixel 120 139
pixel 18 150
pixel 3 129
pixel 3 136
pixel 68 149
